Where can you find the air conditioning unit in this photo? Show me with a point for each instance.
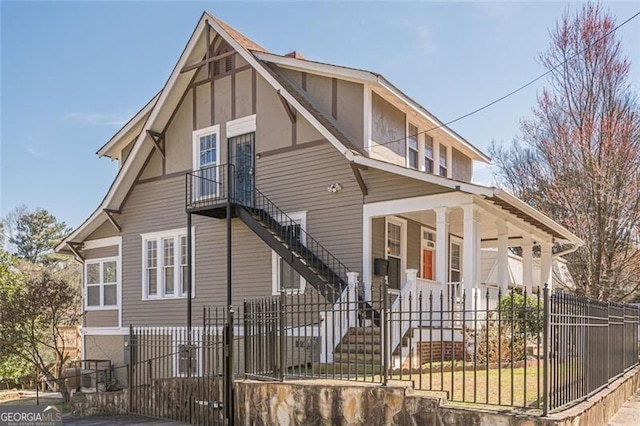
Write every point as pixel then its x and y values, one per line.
pixel 93 380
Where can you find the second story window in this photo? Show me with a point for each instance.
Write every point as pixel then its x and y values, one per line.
pixel 443 161
pixel 428 154
pixel 164 264
pixel 412 147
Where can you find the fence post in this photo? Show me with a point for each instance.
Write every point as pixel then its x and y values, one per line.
pixel 545 351
pixel 130 368
pixel 282 351
pixel 385 324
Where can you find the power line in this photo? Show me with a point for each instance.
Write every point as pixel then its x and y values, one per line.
pixel 513 92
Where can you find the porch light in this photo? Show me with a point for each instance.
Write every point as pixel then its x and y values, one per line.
pixel 334 187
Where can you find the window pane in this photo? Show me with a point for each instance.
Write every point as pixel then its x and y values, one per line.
pixel 93 273
pixel 152 282
pixel 289 278
pixel 152 253
pixel 183 250
pixel 428 165
pixel 393 239
pixel 168 280
pixel 167 245
pixel 428 146
pixel 93 295
pixel 413 159
pixel 109 272
pixel 183 282
pixel 110 295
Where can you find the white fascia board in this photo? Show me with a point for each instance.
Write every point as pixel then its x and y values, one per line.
pixel 382 82
pixel 133 122
pixel 253 61
pixel 91 219
pixel 525 208
pixel 164 94
pixel 425 177
pixel 102 242
pixel 126 169
pixel 105 331
pixel 328 70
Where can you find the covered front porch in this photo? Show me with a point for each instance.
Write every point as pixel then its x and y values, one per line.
pixel 458 243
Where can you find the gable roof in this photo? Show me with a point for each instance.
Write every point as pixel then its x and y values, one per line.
pixel 129 129
pixel 377 81
pixel 158 111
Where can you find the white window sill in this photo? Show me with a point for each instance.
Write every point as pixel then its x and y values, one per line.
pixel 102 308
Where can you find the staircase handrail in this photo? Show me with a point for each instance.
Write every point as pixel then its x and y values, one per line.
pixel 272 209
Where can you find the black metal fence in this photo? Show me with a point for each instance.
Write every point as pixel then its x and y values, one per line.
pixel 485 348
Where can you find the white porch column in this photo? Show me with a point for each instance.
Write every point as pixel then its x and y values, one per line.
pixel 442 245
pixel 546 265
pixel 527 264
pixel 470 252
pixel 503 256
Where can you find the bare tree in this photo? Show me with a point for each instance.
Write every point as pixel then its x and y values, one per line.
pixel 578 159
pixel 36 305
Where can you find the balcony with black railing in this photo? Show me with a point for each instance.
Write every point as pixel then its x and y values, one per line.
pixel 207 190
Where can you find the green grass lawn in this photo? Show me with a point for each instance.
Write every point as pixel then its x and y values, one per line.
pixel 503 387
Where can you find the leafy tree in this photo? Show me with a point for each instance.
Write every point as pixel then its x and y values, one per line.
pixel 34 234
pixel 35 305
pixel 578 159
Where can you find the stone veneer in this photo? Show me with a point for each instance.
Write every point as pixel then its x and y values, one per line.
pixel 326 402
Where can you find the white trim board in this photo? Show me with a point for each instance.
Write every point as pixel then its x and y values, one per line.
pixel 102 242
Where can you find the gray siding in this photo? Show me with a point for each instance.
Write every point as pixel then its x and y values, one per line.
pixel 159 205
pixel 106 318
pixel 388 123
pixel 413 245
pixel 298 181
pixel 96 253
pixel 385 186
pixel 462 167
pixel 349 101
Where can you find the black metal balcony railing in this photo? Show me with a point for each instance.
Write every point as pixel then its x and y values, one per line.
pixel 207 187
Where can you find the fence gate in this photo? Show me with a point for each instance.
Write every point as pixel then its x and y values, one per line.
pixel 178 375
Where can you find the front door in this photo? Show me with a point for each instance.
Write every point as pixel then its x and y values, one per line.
pixel 243 160
pixel 427 264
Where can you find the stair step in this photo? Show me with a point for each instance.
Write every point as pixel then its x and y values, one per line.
pixel 361 340
pixel 361 331
pixel 362 359
pixel 352 348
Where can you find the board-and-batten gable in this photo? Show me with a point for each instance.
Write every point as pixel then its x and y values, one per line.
pixel 238 94
pixel 341 100
pixel 389 124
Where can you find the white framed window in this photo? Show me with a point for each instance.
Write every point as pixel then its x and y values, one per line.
pixel 101 283
pixel 206 158
pixel 455 260
pixel 412 147
pixel 428 154
pixel 164 264
pixel 284 277
pixel 396 251
pixel 444 162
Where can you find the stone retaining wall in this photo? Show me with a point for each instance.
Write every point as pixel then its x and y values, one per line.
pixel 324 402
pixel 103 403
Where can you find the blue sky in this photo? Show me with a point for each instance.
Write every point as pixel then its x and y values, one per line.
pixel 73 72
